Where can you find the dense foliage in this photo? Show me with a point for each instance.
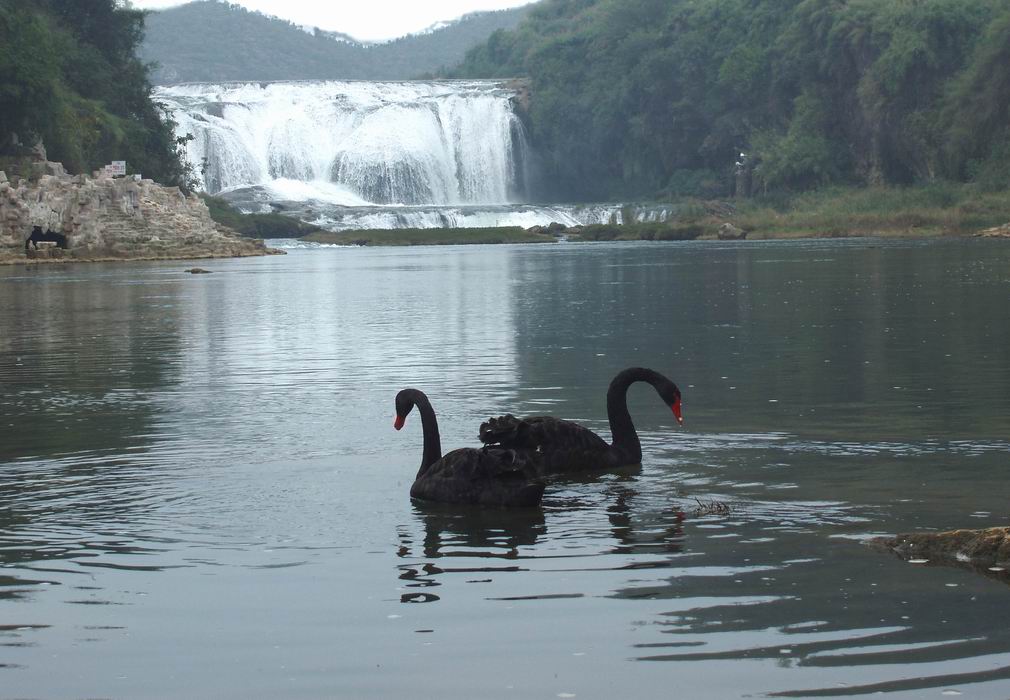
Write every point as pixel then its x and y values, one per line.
pixel 69 75
pixel 656 97
pixel 211 41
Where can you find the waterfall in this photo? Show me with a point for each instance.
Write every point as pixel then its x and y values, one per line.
pixel 355 143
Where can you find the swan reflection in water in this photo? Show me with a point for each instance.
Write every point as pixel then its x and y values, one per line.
pixel 662 534
pixel 488 542
pixel 494 534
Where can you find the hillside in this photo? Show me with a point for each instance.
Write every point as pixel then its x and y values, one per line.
pixel 209 41
pixel 653 98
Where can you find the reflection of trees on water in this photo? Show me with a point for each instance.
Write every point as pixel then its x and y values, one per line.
pixel 804 614
pixel 81 358
pixel 64 555
pixel 84 355
pixel 845 325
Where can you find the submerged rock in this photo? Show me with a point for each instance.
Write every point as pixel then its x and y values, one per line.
pixel 986 551
pixel 198 271
pixel 111 219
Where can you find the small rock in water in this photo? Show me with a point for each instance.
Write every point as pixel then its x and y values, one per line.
pixel 198 271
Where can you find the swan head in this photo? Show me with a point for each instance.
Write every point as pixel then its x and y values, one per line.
pixel 404 405
pixel 669 392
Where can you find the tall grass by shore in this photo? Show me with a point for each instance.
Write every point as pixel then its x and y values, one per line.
pixel 924 211
pixel 930 210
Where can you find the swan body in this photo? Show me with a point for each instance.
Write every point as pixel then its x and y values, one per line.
pixel 491 476
pixel 562 446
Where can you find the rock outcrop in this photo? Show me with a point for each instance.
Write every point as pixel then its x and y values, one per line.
pixel 996 232
pixel 111 219
pixel 729 232
pixel 522 88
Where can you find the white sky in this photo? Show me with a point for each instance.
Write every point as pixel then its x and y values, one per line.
pixel 363 19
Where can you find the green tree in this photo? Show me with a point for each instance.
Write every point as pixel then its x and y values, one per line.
pixel 30 73
pixel 71 77
pixel 638 97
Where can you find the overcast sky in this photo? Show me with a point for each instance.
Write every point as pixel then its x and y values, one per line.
pixel 362 19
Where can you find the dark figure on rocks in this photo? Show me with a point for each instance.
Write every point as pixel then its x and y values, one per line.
pixel 37 236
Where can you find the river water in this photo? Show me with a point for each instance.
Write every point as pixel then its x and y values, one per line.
pixel 203 494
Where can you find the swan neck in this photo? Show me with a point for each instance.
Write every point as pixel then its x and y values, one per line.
pixel 625 437
pixel 429 425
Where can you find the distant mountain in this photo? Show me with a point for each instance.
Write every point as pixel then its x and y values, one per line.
pixel 213 41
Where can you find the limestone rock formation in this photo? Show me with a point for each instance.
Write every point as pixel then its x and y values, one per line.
pixel 111 219
pixel 996 232
pixel 729 232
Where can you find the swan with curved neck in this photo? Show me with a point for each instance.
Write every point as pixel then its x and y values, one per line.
pixel 563 446
pixel 492 476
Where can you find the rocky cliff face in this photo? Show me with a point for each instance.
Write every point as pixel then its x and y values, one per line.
pixel 111 219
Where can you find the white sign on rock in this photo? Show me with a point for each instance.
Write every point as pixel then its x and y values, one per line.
pixel 118 167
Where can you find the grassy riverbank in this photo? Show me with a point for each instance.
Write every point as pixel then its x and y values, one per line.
pixel 891 212
pixel 932 210
pixel 927 211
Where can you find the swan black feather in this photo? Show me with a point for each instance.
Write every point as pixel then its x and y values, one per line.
pixel 490 476
pixel 563 446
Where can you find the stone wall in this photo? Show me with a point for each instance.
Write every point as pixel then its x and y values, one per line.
pixel 112 219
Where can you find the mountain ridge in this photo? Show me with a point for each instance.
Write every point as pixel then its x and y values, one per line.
pixel 215 41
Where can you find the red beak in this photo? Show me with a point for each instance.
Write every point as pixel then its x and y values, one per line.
pixel 398 423
pixel 676 412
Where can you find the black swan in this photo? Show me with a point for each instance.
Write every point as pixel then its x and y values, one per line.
pixel 492 476
pixel 563 446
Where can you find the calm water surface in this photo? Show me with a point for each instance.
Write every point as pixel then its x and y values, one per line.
pixel 203 494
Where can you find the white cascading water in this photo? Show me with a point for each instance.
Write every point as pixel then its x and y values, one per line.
pixel 354 143
pixel 357 155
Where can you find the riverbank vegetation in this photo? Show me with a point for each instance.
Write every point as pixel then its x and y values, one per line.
pixel 835 212
pixel 634 99
pixel 69 75
pixel 842 212
pixel 928 210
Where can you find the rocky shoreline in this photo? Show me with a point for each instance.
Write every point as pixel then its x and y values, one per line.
pixel 101 218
